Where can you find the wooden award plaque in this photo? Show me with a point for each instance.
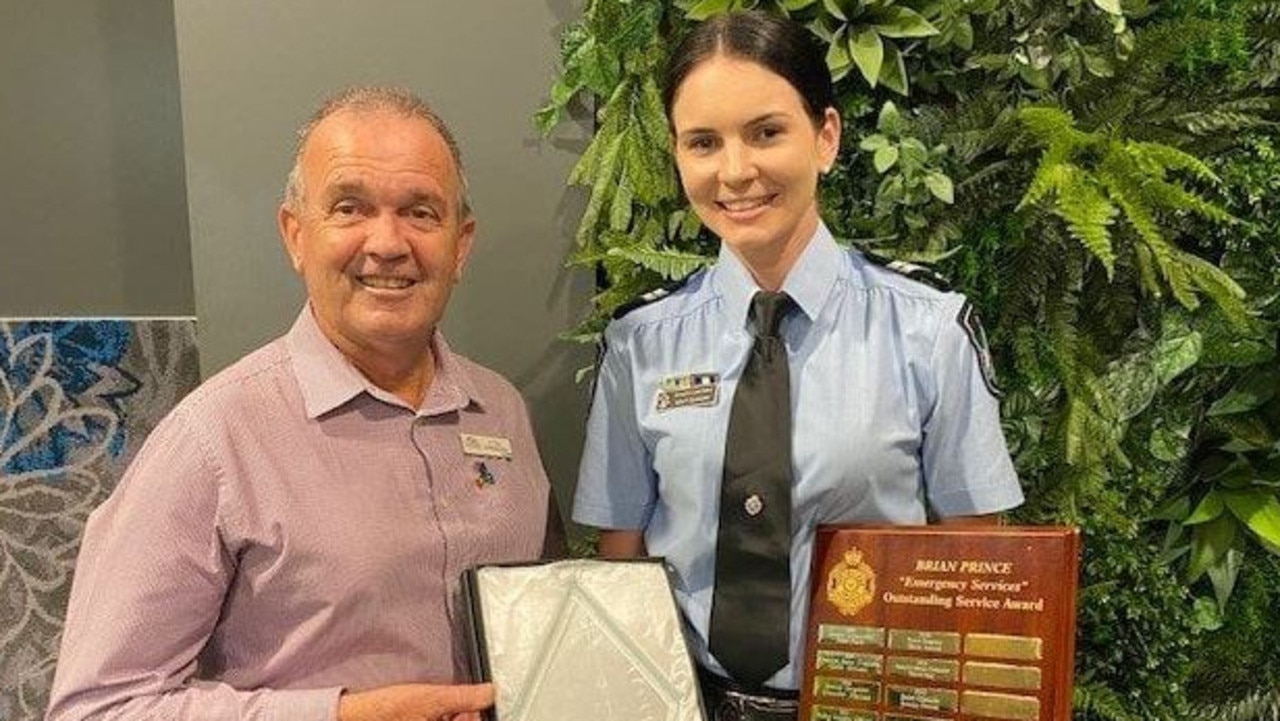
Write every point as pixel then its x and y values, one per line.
pixel 941 623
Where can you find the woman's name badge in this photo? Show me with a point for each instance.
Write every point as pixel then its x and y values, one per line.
pixel 692 390
pixel 485 446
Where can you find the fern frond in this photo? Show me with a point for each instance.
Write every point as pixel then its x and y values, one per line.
pixel 1157 158
pixel 1146 270
pixel 1222 119
pixel 1048 178
pixel 1262 704
pixel 1220 287
pixel 1102 702
pixel 1088 214
pixel 1051 126
pixel 670 264
pixel 603 185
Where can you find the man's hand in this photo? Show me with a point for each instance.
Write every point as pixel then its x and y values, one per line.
pixel 416 702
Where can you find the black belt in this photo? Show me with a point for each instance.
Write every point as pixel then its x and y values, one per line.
pixel 728 701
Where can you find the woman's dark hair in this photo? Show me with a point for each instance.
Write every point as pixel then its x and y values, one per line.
pixel 779 45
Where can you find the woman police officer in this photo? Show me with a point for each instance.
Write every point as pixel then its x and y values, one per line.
pixel 886 413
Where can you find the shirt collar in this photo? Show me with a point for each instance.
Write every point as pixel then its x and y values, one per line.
pixel 808 283
pixel 328 380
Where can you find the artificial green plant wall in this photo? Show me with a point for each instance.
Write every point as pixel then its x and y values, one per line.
pixel 1101 178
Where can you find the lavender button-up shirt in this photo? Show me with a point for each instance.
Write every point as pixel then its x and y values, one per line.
pixel 289 531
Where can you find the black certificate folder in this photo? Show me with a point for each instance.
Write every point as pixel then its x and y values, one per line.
pixel 581 640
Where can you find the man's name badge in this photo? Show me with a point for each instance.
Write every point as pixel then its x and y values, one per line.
pixel 485 446
pixel 692 390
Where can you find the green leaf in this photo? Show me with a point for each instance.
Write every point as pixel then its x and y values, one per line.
pixel 793 5
pixel 901 22
pixel 890 120
pixel 964 33
pixel 874 142
pixel 886 157
pixel 867 50
pixel 671 264
pixel 620 208
pixel 1174 509
pixel 835 8
pixel 1223 576
pixel 1096 63
pixel 1209 508
pixel 1176 354
pixel 601 187
pixel 1210 543
pixel 1206 615
pixel 1111 7
pixel 838 60
pixel 1258 509
pixel 1248 394
pixel 1167 445
pixel 704 9
pixel 941 187
pixel 914 155
pixel 893 74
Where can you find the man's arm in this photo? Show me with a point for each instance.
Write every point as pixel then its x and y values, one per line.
pixel 147 594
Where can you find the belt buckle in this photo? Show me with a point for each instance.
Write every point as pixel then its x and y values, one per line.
pixel 729 709
pixel 739 706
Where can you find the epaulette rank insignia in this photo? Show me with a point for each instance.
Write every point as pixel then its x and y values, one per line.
pixel 652 296
pixel 914 271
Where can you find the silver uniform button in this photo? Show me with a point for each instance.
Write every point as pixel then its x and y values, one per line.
pixel 753 505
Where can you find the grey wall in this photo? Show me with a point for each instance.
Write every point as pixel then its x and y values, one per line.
pixel 251 71
pixel 94 218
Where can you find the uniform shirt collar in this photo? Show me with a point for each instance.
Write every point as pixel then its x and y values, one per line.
pixel 809 282
pixel 328 380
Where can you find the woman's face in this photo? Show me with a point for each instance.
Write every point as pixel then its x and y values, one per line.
pixel 749 157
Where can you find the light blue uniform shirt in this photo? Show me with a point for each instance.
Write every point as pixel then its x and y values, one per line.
pixel 891 416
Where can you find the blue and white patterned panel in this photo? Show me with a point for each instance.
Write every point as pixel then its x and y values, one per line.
pixel 77 398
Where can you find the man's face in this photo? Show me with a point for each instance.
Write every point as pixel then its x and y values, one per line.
pixel 378 235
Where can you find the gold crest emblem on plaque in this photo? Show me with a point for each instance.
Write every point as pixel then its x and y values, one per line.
pixel 851 584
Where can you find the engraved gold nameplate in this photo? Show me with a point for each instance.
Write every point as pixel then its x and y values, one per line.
pixel 833 713
pixel 941 623
pixel 922 698
pixel 924 641
pixel 994 645
pixel 1002 675
pixel 851 635
pixel 1000 706
pixel 851 661
pixel 847 689
pixel 925 669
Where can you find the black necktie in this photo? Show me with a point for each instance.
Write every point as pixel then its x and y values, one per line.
pixel 750 607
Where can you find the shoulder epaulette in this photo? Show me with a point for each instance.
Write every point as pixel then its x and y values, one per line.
pixel 652 296
pixel 914 271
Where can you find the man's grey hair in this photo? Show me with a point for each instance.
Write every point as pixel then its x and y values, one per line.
pixel 370 99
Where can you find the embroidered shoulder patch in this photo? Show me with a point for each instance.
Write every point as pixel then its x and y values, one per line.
pixel 968 319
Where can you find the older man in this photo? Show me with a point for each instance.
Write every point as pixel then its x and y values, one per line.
pixel 287 543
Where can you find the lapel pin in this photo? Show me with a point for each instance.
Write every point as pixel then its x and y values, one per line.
pixel 484 477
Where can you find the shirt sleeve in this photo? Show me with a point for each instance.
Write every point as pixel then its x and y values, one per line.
pixel 966 462
pixel 617 487
pixel 148 589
